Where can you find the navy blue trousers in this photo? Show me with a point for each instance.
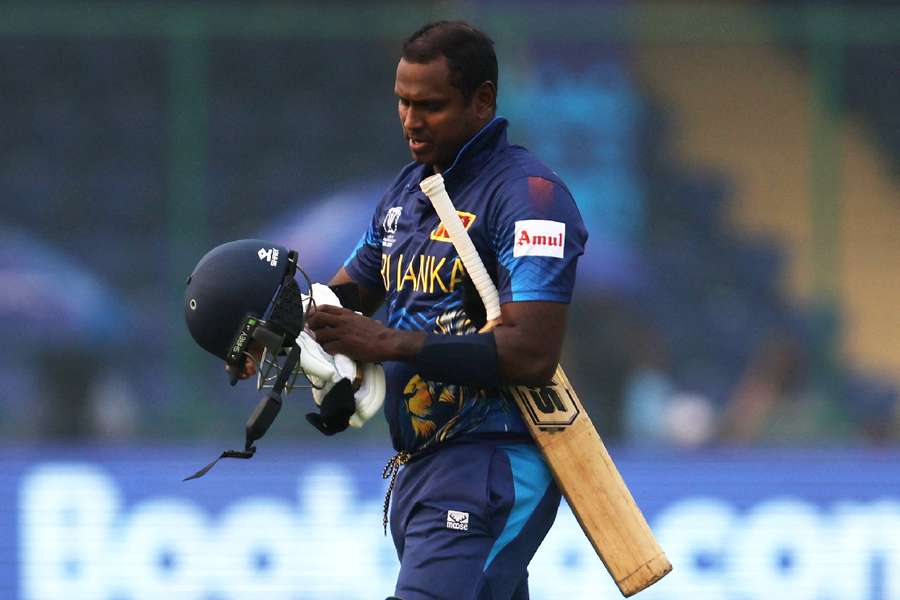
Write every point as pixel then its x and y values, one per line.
pixel 467 519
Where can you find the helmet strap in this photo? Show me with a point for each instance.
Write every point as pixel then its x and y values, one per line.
pixel 262 417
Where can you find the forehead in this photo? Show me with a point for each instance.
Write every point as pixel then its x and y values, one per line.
pixel 422 80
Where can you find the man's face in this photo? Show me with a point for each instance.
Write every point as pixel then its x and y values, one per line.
pixel 436 119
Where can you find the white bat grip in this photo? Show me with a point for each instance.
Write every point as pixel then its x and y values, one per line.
pixel 434 188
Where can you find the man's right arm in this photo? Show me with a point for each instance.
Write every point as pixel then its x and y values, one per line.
pixel 369 299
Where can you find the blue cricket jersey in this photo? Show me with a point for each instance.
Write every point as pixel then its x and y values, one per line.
pixel 529 233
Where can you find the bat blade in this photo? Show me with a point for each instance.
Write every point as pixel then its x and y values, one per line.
pixel 591 483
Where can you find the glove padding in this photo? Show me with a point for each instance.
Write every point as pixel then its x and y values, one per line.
pixel 334 377
pixel 370 395
pixel 335 409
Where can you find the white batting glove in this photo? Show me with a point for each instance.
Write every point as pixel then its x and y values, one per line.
pixel 325 370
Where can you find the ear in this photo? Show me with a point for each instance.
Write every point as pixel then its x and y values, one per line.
pixel 485 100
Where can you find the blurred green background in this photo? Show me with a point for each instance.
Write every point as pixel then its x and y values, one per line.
pixel 736 163
pixel 734 334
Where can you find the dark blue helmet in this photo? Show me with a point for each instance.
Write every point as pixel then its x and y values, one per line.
pixel 240 292
pixel 235 288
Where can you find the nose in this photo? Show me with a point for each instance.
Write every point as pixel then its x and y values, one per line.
pixel 410 118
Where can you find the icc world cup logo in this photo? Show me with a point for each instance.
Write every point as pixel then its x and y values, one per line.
pixel 391 219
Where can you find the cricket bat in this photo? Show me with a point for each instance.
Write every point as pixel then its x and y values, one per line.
pixel 569 442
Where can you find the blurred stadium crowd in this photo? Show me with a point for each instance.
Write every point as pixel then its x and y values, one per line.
pixel 681 334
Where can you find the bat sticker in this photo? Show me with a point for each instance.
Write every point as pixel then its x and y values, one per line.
pixel 551 408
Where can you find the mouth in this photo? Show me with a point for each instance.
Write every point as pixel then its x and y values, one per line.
pixel 417 145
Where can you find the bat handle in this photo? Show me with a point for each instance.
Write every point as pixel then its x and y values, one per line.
pixel 436 191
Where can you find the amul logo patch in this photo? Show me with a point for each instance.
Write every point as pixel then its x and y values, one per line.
pixel 536 237
pixel 270 256
pixel 440 234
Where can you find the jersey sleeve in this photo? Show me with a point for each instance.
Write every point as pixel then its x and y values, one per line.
pixel 364 263
pixel 538 235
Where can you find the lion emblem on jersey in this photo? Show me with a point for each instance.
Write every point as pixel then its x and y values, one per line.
pixel 419 396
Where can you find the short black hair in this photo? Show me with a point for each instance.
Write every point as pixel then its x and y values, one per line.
pixel 469 53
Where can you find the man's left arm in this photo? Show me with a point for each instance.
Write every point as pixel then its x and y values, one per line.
pixel 529 341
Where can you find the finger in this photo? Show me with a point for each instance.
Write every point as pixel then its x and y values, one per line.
pixel 321 319
pixel 326 335
pixel 249 369
pixel 330 308
pixel 326 309
pixel 332 347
